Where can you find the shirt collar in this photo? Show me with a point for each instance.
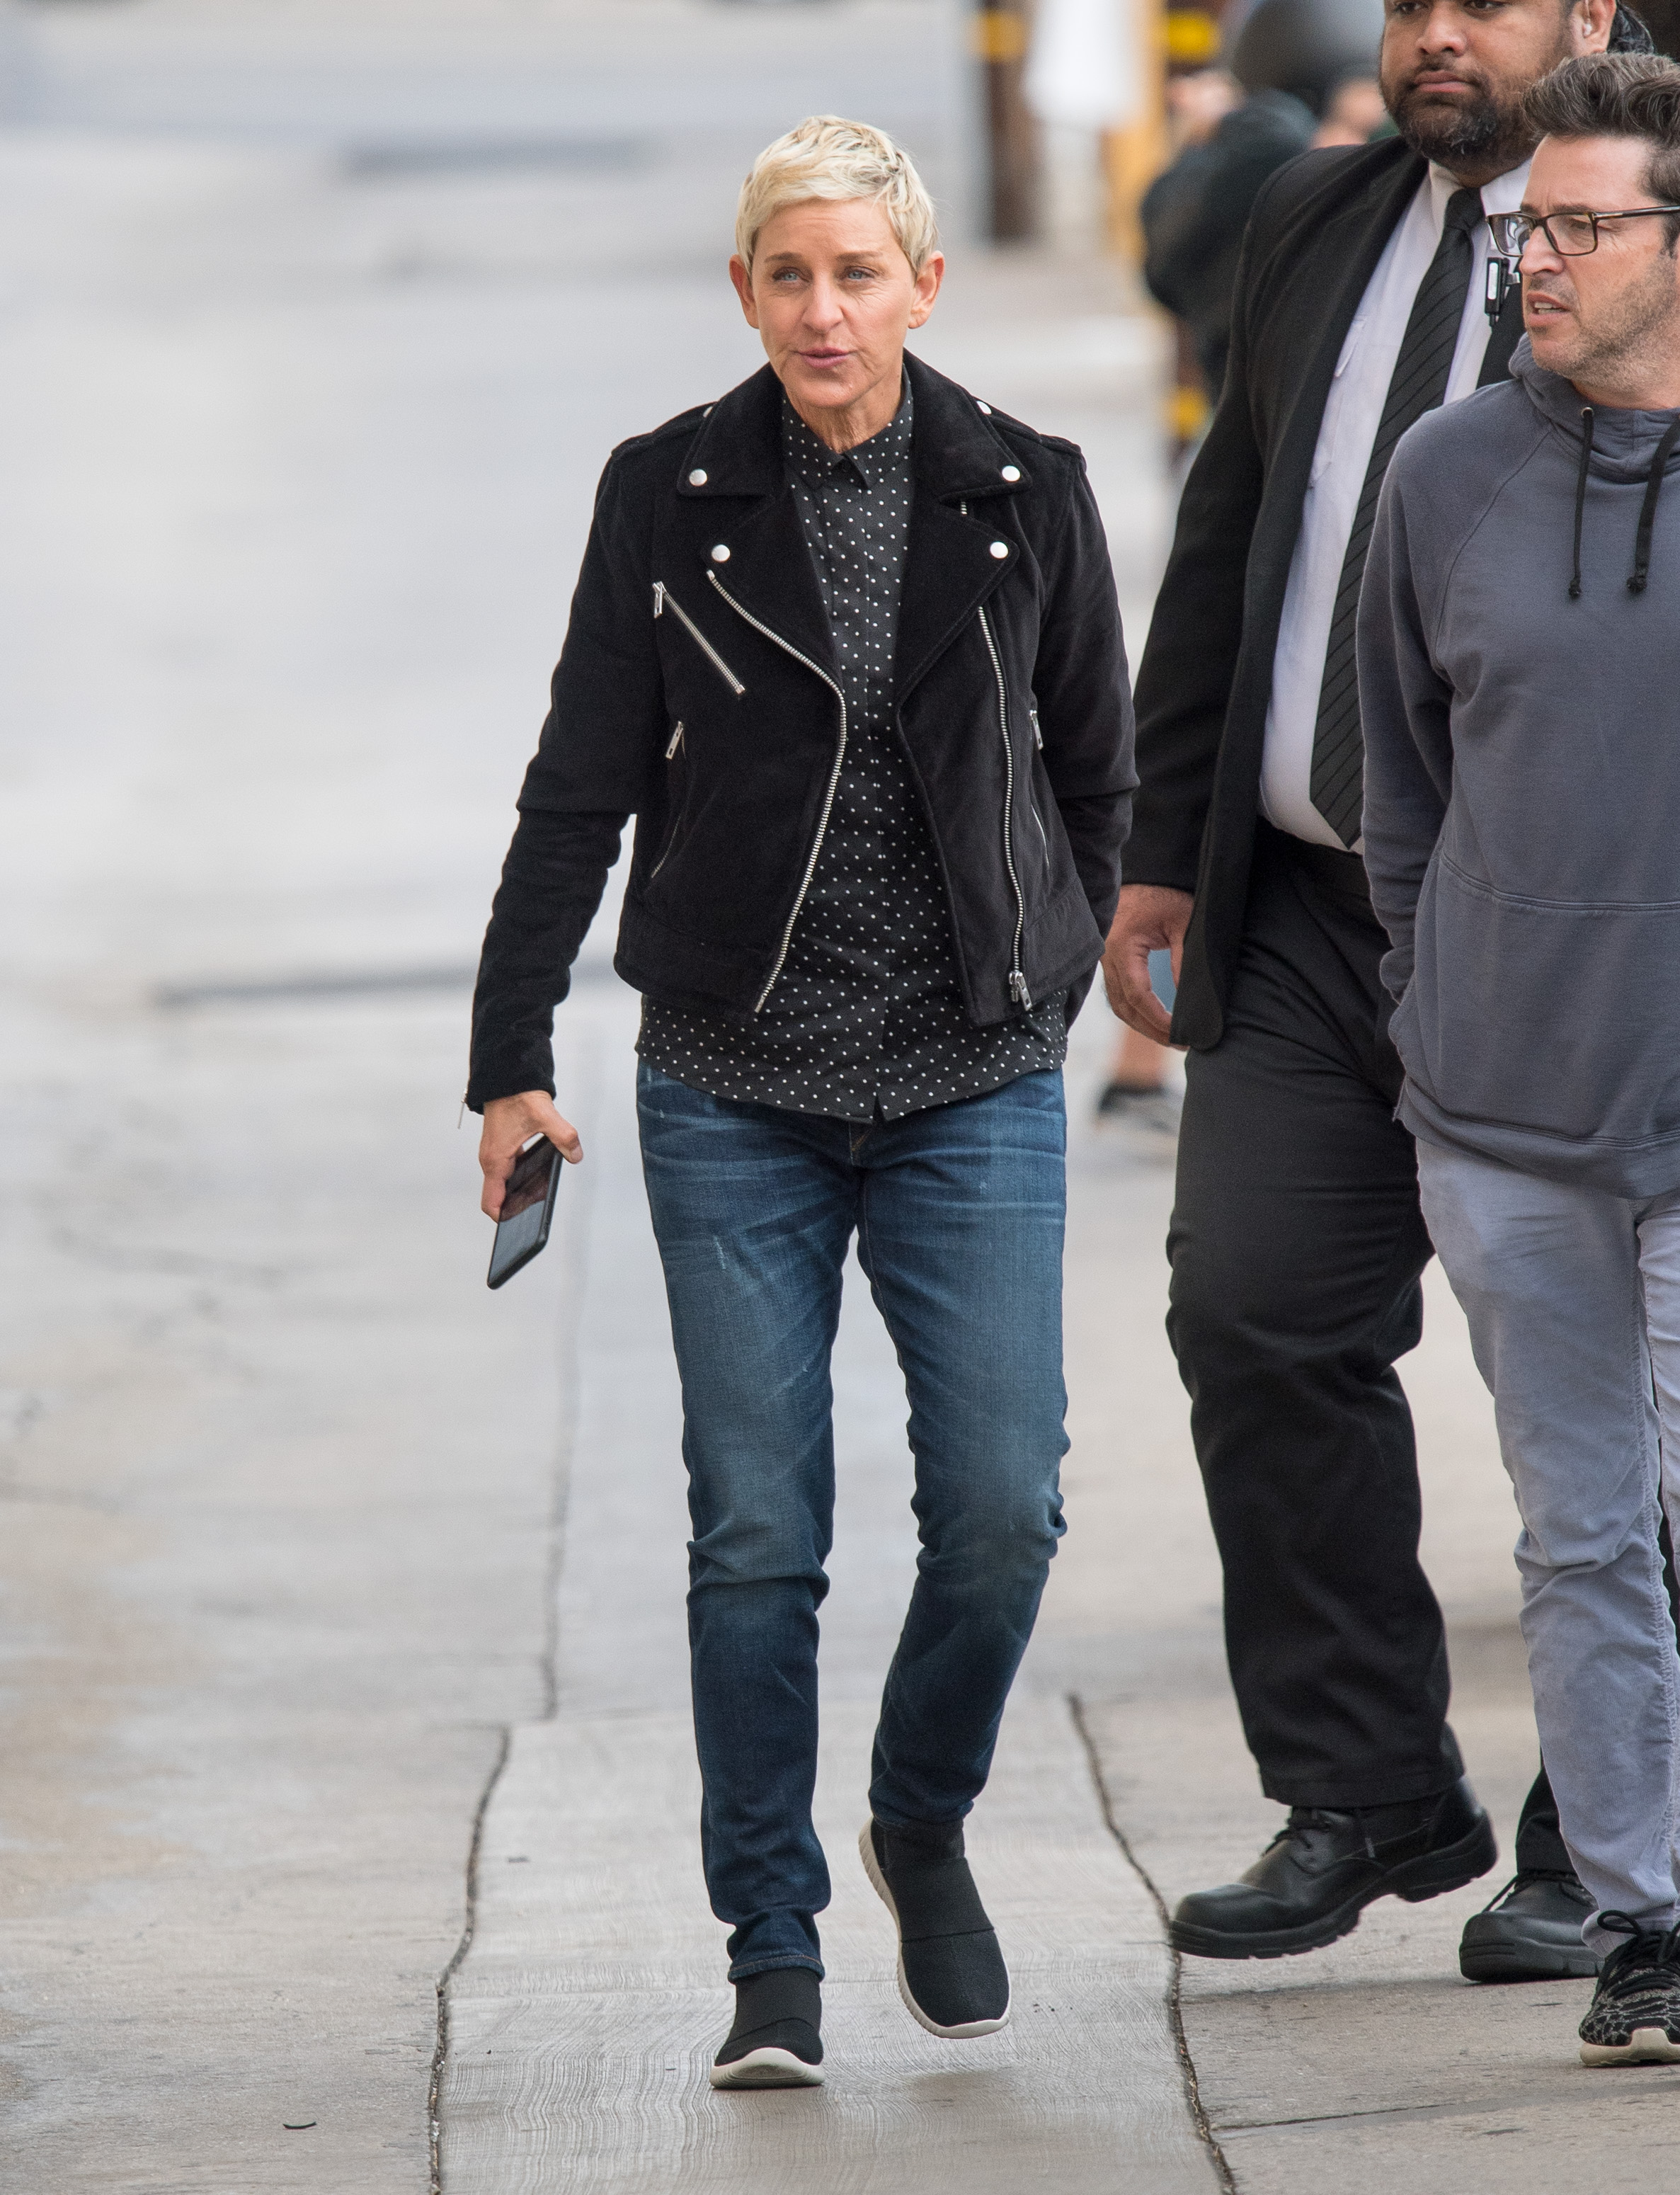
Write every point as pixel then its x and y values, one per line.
pixel 1503 195
pixel 811 460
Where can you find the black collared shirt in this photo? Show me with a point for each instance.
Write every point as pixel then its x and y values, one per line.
pixel 865 1020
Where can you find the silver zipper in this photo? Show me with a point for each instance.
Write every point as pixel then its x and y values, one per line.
pixel 662 595
pixel 1018 990
pixel 788 648
pixel 677 820
pixel 1039 742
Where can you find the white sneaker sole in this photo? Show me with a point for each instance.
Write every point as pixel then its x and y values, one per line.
pixel 1647 2046
pixel 771 2068
pixel 871 1868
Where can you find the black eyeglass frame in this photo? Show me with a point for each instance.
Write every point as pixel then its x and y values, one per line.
pixel 1543 222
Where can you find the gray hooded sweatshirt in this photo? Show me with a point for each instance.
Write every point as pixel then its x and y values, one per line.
pixel 1519 675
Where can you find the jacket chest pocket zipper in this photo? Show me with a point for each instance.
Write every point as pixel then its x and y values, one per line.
pixel 663 600
pixel 675 742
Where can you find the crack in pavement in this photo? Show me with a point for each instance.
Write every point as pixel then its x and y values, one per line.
pixel 1175 2014
pixel 574 1266
pixel 440 2051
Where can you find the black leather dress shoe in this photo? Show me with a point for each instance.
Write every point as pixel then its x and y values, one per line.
pixel 1531 1932
pixel 1323 1869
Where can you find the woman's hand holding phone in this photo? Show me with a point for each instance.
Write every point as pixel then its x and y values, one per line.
pixel 510 1123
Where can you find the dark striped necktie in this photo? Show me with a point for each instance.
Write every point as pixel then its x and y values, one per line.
pixel 1419 383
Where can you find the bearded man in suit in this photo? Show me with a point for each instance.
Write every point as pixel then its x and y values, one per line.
pixel 1297 1245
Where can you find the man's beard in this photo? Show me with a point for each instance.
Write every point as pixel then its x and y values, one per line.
pixel 1489 134
pixel 1637 328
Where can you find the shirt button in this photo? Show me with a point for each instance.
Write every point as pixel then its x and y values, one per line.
pixel 719 555
pixel 698 477
pixel 998 549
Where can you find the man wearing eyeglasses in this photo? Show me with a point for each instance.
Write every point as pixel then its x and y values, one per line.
pixel 1297 1243
pixel 1519 662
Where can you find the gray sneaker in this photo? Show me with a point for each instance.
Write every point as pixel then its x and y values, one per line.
pixel 1634 2019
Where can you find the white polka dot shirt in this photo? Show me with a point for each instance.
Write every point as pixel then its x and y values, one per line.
pixel 867 1020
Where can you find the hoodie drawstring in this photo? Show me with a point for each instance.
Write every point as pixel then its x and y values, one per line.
pixel 1647 514
pixel 1580 499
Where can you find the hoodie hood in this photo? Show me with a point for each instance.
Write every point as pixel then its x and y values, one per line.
pixel 1624 443
pixel 1617 445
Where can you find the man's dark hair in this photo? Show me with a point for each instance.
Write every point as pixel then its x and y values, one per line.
pixel 1618 95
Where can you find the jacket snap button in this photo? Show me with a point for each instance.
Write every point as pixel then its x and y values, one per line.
pixel 986 408
pixel 720 554
pixel 998 549
pixel 1011 472
pixel 698 477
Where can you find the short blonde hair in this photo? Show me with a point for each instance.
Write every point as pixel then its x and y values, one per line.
pixel 827 157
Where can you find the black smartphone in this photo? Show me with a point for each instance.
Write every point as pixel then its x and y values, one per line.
pixel 527 1211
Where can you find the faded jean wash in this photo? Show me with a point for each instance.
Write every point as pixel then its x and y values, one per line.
pixel 959 1213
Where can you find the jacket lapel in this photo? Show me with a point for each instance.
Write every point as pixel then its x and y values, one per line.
pixel 949 567
pixel 1334 249
pixel 735 470
pixel 1344 257
pixel 770 577
pixel 1507 333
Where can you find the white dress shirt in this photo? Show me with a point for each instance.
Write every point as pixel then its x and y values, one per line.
pixel 1352 413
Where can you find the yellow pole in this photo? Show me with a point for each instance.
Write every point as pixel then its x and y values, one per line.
pixel 1134 155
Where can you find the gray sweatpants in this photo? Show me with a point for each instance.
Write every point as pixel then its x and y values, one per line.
pixel 1574 1302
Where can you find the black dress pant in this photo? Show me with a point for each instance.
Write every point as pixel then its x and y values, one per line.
pixel 1297 1247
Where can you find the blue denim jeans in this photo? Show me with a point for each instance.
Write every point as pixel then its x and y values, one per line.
pixel 958 1212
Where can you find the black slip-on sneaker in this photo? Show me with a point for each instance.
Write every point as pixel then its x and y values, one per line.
pixel 775 2042
pixel 951 1972
pixel 1634 2019
pixel 1325 1866
pixel 1531 1932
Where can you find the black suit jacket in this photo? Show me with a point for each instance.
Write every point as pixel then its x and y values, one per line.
pixel 1317 231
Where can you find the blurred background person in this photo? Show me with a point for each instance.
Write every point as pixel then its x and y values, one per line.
pixel 1140 1089
pixel 1354 114
pixel 1302 75
pixel 1297 66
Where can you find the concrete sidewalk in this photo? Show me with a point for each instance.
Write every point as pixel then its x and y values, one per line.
pixel 584 2016
pixel 306 1532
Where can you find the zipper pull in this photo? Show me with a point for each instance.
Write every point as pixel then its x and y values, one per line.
pixel 1018 990
pixel 675 740
pixel 659 598
pixel 1038 736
